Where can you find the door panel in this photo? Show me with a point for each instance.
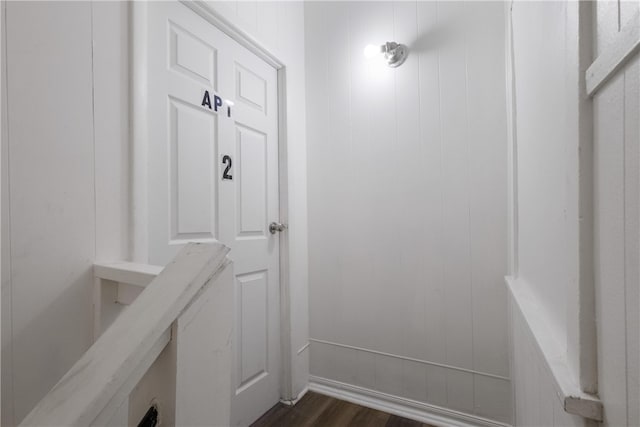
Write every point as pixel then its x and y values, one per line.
pixel 252 321
pixel 192 136
pixel 190 147
pixel 252 182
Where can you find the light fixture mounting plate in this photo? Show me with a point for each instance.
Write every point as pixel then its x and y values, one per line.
pixel 395 54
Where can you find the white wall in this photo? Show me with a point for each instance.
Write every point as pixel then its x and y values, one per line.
pixel 65 182
pixel 541 100
pixel 617 228
pixel 61 206
pixel 544 68
pixel 407 203
pixel 551 159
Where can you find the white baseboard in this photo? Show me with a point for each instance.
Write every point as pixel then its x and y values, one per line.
pixel 407 408
pixel 297 399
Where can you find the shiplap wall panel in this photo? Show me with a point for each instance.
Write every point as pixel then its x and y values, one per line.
pixel 408 202
pixel 632 236
pixel 110 34
pixel 456 188
pixel 317 130
pixel 337 84
pixel 609 241
pixel 432 293
pixel 628 8
pixel 6 320
pixel 536 402
pixel 616 141
pixel 51 194
pixel 484 24
pixel 607 21
pixel 407 191
pixel 617 185
pixel 539 62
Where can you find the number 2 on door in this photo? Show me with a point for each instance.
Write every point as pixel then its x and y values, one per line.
pixel 226 161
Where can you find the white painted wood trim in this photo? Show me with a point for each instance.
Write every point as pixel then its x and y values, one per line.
pixel 572 398
pixel 104 375
pixel 304 347
pixel 207 12
pixel 580 307
pixel 286 340
pixel 407 408
pixel 624 46
pixel 512 146
pixel 297 399
pixel 411 359
pixel 138 233
pixel 127 272
pixel 2 126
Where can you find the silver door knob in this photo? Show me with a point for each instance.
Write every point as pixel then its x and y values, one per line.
pixel 277 227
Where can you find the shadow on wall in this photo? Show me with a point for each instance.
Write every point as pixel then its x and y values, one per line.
pixel 435 38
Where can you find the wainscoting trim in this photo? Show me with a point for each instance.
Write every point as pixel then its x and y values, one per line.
pixel 407 408
pixel 411 359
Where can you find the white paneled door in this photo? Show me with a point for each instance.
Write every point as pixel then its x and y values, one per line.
pixel 213 175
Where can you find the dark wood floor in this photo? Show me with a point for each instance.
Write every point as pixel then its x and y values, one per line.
pixel 316 410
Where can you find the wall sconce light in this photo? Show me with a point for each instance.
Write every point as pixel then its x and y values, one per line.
pixel 394 53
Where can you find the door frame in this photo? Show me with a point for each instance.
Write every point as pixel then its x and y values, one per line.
pixel 138 133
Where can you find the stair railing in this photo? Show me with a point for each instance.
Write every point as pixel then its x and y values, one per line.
pixel 184 315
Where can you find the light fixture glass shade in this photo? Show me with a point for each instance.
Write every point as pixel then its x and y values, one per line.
pixel 372 50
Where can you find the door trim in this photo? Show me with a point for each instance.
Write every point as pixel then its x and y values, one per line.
pixel 138 133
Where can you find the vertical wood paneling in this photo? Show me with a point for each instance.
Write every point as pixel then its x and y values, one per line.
pixel 410 208
pixel 609 243
pixel 535 398
pixel 338 140
pixel 455 196
pixel 628 8
pixel 632 236
pixel 111 115
pixel 607 20
pixel 488 184
pixel 407 190
pixel 617 210
pixel 51 178
pixel 266 27
pixel 539 61
pixel 430 34
pixel 317 130
pixel 6 321
pixel 247 12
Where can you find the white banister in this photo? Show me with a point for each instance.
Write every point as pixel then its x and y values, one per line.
pixel 192 291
